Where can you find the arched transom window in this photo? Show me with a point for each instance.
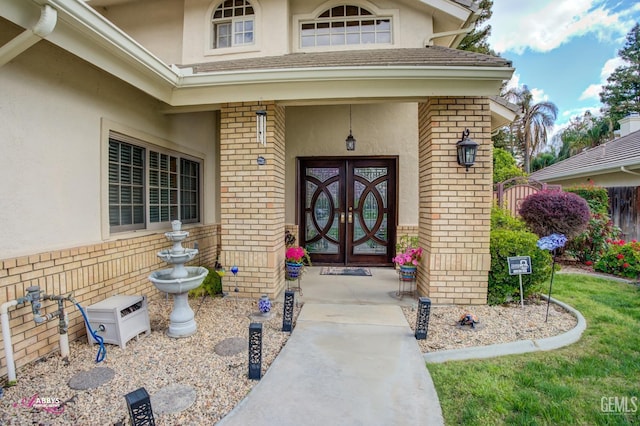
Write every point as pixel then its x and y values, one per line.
pixel 345 25
pixel 233 24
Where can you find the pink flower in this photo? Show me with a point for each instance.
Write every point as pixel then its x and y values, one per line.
pixel 625 265
pixel 295 254
pixel 411 256
pixel 588 263
pixel 620 256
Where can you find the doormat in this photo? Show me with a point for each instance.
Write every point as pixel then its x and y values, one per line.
pixel 342 270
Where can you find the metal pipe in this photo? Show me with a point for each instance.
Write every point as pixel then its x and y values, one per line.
pixel 6 337
pixel 34 296
pixel 625 170
pixel 429 41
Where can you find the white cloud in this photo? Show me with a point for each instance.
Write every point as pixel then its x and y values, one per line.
pixel 593 91
pixel 538 95
pixel 544 25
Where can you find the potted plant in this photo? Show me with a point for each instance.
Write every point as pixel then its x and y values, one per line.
pixel 295 258
pixel 408 262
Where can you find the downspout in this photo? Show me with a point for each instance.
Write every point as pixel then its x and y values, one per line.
pixel 625 170
pixel 429 41
pixel 29 37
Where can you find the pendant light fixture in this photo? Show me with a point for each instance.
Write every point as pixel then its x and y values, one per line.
pixel 350 141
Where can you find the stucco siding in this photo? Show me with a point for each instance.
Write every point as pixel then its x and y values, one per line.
pixel 379 129
pixel 156 24
pixel 180 32
pixel 52 108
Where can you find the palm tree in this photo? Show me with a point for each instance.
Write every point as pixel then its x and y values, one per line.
pixel 534 124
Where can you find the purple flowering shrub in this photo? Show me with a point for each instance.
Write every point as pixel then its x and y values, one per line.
pixel 555 212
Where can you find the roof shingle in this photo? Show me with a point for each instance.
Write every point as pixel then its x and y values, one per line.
pixel 621 152
pixel 417 57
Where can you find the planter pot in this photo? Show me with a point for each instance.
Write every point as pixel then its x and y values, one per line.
pixel 264 305
pixel 293 270
pixel 408 273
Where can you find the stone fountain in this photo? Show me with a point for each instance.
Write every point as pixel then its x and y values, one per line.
pixel 178 281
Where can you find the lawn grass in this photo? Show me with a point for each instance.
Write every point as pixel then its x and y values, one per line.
pixel 595 381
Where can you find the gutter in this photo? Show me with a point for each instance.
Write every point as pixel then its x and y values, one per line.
pixel 29 37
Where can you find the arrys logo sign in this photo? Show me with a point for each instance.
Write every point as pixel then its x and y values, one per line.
pixel 619 405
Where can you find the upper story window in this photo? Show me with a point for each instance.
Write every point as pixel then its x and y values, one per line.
pixel 346 25
pixel 233 24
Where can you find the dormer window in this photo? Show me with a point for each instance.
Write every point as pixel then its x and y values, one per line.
pixel 233 24
pixel 346 25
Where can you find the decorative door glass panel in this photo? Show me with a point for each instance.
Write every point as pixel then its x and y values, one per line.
pixel 370 195
pixel 322 201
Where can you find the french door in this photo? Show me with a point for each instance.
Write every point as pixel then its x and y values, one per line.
pixel 348 210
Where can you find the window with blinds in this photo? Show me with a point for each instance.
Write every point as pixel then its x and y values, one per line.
pixel 149 186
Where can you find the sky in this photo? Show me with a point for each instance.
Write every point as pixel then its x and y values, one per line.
pixel 562 50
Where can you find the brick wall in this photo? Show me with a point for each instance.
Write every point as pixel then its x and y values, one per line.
pixel 93 273
pixel 252 198
pixel 455 206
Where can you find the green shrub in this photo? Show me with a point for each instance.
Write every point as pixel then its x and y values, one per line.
pixel 212 285
pixel 591 244
pixel 504 166
pixel 502 219
pixel 555 212
pixel 508 243
pixel 596 197
pixel 621 258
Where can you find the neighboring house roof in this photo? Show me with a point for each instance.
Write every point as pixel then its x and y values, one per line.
pixel 607 158
pixel 418 57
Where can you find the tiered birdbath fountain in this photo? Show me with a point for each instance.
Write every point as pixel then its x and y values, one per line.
pixel 178 281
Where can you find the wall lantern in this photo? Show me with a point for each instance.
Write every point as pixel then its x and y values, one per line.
pixel 350 141
pixel 467 150
pixel 261 127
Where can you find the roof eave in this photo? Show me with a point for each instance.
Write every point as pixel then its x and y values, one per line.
pixel 399 83
pixel 88 35
pixel 585 173
pixel 80 29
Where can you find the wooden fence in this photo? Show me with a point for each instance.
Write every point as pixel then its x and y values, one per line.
pixel 510 193
pixel 624 205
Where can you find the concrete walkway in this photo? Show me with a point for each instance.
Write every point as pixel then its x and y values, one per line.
pixel 352 359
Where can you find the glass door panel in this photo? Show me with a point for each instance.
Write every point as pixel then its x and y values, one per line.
pixel 348 211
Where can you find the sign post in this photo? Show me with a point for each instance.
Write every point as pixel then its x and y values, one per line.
pixel 519 265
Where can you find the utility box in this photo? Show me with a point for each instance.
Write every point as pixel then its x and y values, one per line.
pixel 118 319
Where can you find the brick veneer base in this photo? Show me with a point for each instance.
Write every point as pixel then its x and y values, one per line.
pixel 92 273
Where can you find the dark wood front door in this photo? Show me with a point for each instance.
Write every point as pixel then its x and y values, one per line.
pixel 348 210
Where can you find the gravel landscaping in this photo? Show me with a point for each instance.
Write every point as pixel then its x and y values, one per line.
pixel 496 324
pixel 214 362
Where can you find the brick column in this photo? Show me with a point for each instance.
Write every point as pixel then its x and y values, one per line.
pixel 455 205
pixel 252 199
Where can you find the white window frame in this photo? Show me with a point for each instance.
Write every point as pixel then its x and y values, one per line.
pixel 391 14
pixel 213 27
pixel 149 144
